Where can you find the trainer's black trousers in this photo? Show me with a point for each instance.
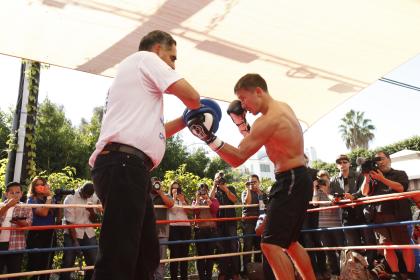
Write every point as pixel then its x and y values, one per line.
pixel 128 243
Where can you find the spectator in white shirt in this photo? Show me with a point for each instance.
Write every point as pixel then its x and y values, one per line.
pixel 84 236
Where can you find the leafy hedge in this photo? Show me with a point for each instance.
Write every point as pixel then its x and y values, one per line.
pixel 412 143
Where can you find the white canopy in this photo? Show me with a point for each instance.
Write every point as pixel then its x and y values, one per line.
pixel 313 54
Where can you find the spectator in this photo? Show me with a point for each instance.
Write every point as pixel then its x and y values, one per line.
pixel 416 217
pixel 161 199
pixel 252 195
pixel 348 182
pixel 178 231
pixel 386 180
pixel 259 229
pixel 226 195
pixel 12 216
pixel 416 233
pixel 205 230
pixel 329 218
pixel 40 193
pixel 311 239
pixel 80 236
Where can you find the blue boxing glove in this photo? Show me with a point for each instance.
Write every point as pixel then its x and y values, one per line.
pixel 200 126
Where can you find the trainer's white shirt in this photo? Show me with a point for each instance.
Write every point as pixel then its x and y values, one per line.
pixel 134 109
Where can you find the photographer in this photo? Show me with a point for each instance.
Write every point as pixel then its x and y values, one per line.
pixel 205 230
pixel 160 198
pixel 385 180
pixel 348 182
pixel 178 231
pixel 11 216
pixel 226 195
pixel 40 193
pixel 252 195
pixel 329 218
pixel 80 236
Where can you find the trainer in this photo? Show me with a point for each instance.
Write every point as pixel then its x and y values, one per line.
pixel 131 143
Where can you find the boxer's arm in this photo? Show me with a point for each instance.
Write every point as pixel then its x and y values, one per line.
pixel 259 135
pixel 186 93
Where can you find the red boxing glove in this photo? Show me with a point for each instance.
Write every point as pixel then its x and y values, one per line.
pixel 237 113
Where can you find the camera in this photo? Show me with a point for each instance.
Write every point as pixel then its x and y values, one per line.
pixel 59 193
pixel 367 165
pixel 320 182
pixel 156 185
pixel 339 195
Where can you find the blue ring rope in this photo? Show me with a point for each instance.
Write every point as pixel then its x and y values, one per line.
pixel 43 250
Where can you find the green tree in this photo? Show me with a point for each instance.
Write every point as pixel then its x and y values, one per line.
pixel 3 164
pixel 330 167
pixel 175 155
pixel 197 162
pixel 215 165
pixel 355 130
pixel 86 136
pixel 188 181
pixel 5 130
pixel 56 139
pixel 89 131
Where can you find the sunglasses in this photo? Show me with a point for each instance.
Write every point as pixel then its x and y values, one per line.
pixel 342 162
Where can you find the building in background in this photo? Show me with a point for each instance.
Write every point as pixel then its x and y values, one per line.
pixel 259 164
pixel 409 161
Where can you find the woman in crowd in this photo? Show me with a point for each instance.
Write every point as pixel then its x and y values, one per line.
pixel 329 218
pixel 178 231
pixel 205 230
pixel 40 193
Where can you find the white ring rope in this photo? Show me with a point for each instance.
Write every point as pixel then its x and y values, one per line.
pixel 401 195
pixel 72 269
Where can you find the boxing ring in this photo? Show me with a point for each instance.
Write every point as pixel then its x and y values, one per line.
pixel 341 204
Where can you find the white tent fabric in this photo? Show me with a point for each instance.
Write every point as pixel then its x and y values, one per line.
pixel 313 54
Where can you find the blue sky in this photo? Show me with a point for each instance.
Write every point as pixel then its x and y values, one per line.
pixel 394 110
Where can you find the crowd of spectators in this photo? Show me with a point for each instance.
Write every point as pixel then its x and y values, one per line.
pixel 348 184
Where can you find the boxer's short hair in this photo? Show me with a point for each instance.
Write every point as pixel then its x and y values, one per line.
pixel 250 82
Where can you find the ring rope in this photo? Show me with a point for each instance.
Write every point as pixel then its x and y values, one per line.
pixel 371 247
pixel 355 203
pixel 157 222
pixel 38 250
pixel 402 223
pixel 72 269
pixel 389 224
pixel 400 195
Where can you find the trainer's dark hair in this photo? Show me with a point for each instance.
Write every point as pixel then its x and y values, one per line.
pixel 156 37
pixel 13 184
pixel 250 82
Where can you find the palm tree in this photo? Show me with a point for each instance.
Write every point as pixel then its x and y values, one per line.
pixel 356 131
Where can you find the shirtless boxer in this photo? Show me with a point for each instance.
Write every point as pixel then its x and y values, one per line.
pixel 278 130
